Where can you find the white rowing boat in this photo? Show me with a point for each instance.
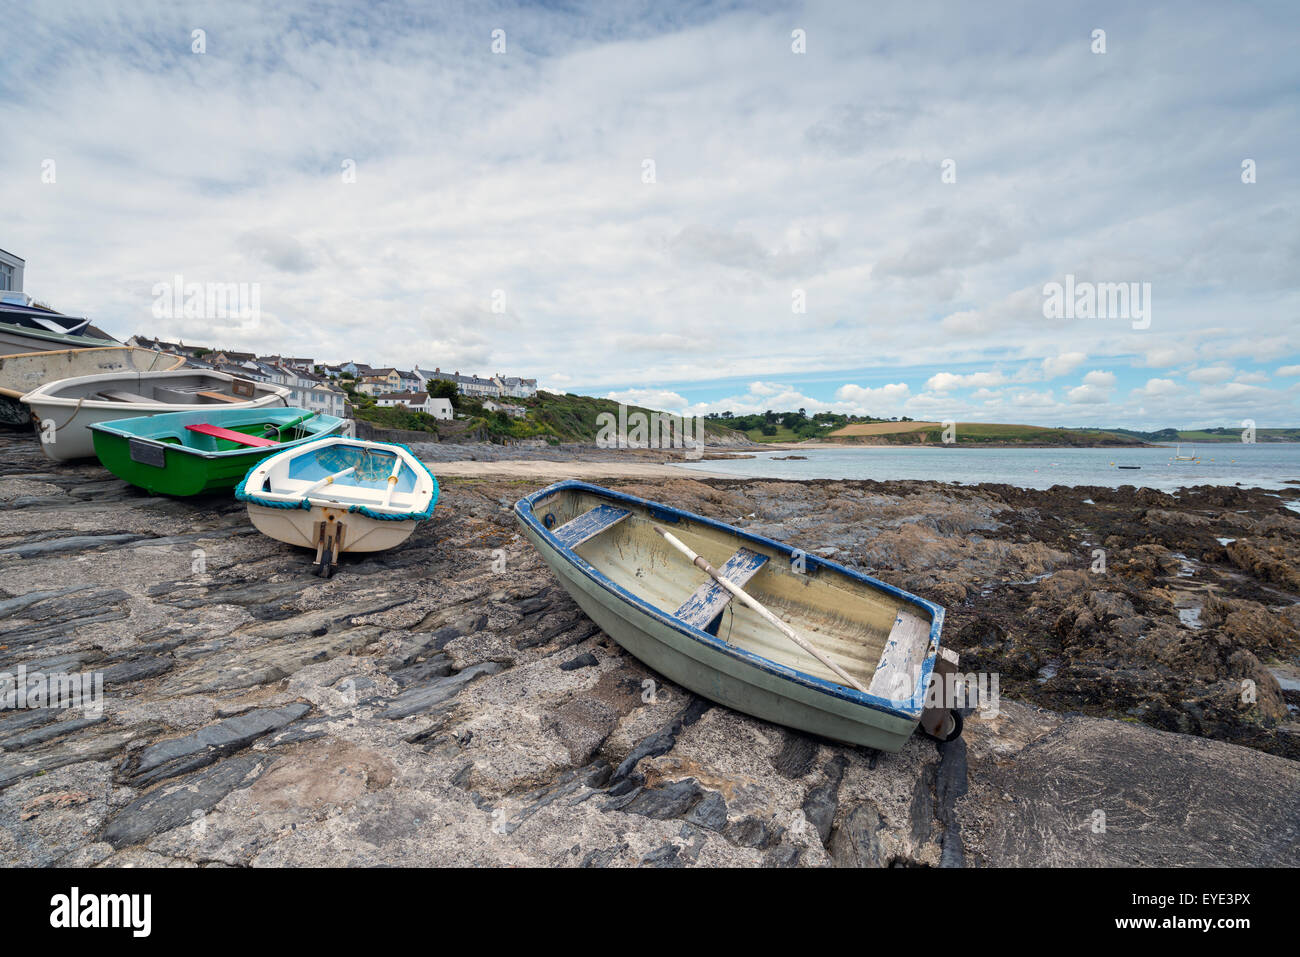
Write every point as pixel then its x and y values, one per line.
pixel 339 495
pixel 63 411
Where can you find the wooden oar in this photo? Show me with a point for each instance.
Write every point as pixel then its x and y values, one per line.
pixel 753 603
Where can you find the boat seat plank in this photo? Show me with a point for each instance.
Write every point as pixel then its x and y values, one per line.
pixel 589 524
pixel 904 648
pixel 117 395
pixel 221 397
pixel 230 435
pixel 710 599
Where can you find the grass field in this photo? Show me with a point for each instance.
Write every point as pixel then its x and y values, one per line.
pixel 782 435
pixel 884 428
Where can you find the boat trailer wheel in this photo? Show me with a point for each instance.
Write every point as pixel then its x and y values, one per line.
pixel 953 727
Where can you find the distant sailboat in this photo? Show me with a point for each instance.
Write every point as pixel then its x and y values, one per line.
pixel 1180 457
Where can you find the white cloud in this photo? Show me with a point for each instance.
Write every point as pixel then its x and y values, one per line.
pixel 1159 387
pixel 763 188
pixel 1063 364
pixel 1289 371
pixel 894 392
pixel 947 381
pixel 659 400
pixel 1095 390
pixel 1212 374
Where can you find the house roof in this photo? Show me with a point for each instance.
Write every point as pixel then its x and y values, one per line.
pixel 403 396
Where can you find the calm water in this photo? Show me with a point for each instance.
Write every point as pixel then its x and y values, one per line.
pixel 1258 466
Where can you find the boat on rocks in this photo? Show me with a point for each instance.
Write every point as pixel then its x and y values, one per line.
pixel 64 410
pixel 751 623
pixel 339 495
pixel 187 453
pixel 26 371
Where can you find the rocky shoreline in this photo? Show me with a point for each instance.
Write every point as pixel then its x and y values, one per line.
pixel 447 703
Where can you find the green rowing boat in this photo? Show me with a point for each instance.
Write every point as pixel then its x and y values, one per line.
pixel 187 453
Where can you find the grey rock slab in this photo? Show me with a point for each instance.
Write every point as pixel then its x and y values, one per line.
pixel 1168 800
pixel 203 747
pixel 137 669
pixel 47 732
pixel 14 766
pixel 424 697
pixel 73 543
pixel 175 804
pixel 663 740
pixel 856 842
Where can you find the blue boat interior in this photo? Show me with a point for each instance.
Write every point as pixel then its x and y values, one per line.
pixel 372 467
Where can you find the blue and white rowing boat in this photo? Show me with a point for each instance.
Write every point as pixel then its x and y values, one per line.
pixel 339 495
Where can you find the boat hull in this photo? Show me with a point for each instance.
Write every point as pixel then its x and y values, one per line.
pixel 340 495
pixel 63 411
pixel 298 526
pixel 162 468
pixel 720 677
pixel 25 372
pixel 714 668
pixel 18 339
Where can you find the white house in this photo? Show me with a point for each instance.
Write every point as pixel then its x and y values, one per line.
pixel 307 390
pixel 514 411
pixel 418 402
pixel 465 384
pixel 11 272
pixel 515 387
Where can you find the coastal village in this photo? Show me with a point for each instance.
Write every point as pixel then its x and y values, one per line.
pixel 324 387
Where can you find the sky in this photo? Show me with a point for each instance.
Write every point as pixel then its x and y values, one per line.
pixel 698 207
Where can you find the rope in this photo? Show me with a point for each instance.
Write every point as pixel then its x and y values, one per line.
pixel 40 426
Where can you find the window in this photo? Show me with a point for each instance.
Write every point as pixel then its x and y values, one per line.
pixel 6 276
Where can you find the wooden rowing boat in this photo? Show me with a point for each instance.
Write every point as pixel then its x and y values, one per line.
pixel 63 411
pixel 186 453
pixel 609 551
pixel 24 372
pixel 339 495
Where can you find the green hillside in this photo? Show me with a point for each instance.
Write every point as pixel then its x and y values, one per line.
pixel 548 416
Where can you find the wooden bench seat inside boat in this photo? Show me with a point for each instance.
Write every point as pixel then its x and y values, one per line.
pixel 589 524
pixel 905 648
pixel 704 608
pixel 220 397
pixel 230 435
pixel 117 395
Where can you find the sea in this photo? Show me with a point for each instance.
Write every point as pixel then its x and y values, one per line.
pixel 1261 465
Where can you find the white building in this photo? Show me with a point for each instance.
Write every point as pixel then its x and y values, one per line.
pixel 11 272
pixel 514 411
pixel 418 402
pixel 307 390
pixel 466 384
pixel 514 387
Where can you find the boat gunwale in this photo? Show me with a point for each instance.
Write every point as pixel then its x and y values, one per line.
pixel 45 393
pixel 114 429
pixel 280 500
pixel 909 708
pixel 15 394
